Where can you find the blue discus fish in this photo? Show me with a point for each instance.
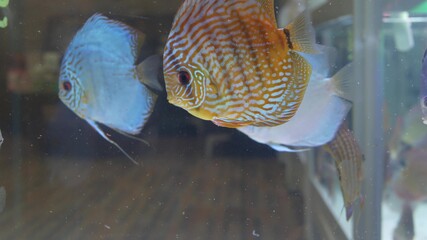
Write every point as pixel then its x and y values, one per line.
pixel 423 97
pixel 101 81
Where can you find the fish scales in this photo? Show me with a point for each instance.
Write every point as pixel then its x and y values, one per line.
pixel 241 56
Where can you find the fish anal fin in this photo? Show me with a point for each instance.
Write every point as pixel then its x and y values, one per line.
pixel 300 34
pixel 100 132
pixel 131 136
pixel 348 161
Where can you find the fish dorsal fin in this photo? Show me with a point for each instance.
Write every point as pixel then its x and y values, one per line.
pixel 148 72
pixel 268 6
pixel 300 34
pixel 120 39
pixel 99 130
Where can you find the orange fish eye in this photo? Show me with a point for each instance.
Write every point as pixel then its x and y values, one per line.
pixel 184 77
pixel 67 86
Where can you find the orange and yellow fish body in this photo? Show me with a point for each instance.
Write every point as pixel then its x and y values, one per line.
pixel 226 61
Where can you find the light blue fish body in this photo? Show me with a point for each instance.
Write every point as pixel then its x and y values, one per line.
pixel 100 81
pixel 320 114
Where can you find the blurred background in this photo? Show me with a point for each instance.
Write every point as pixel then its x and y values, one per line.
pixel 60 180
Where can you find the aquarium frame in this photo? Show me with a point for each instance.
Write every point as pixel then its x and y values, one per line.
pixel 368 113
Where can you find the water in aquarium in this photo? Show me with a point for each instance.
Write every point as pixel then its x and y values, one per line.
pixel 242 119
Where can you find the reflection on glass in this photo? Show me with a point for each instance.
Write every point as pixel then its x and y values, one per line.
pixel 404 207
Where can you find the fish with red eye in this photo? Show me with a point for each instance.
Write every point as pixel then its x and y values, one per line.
pixel 184 77
pixel 67 86
pixel 94 80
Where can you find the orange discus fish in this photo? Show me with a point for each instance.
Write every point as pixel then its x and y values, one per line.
pixel 226 61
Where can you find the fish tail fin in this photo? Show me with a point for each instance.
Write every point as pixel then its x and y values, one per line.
pixel 300 34
pixel 99 130
pixel 148 72
pixel 342 82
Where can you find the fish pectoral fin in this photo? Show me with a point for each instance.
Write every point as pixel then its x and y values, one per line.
pixel 343 82
pixel 148 72
pixel 300 34
pixel 99 130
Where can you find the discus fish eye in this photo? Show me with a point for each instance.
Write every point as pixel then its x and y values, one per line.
pixel 67 86
pixel 184 77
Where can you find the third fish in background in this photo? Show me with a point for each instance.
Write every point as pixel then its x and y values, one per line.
pixel 407 188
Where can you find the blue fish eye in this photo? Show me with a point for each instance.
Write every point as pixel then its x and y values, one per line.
pixel 66 85
pixel 184 77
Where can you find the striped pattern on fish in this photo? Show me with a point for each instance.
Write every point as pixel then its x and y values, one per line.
pixel 238 66
pixel 348 160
